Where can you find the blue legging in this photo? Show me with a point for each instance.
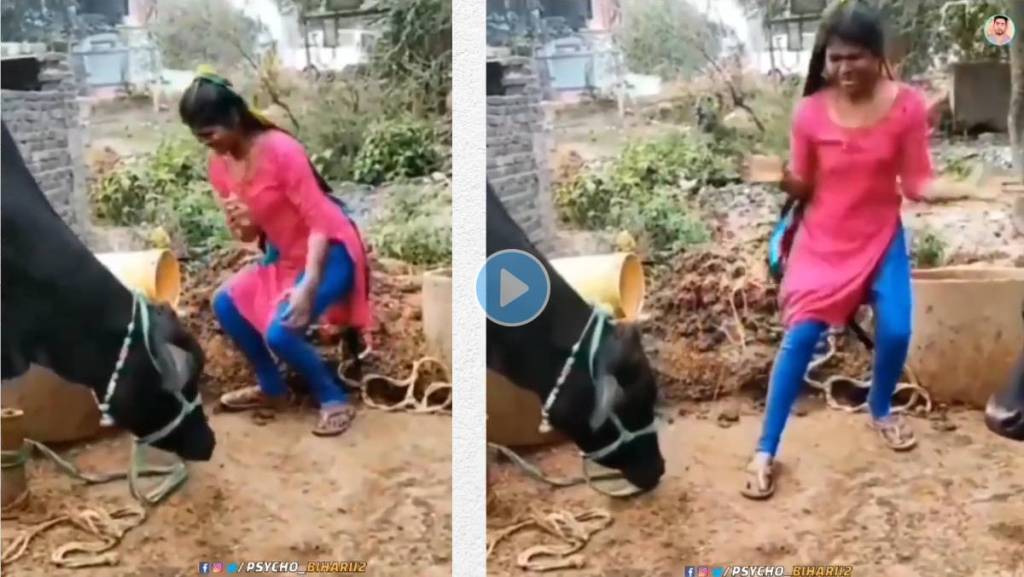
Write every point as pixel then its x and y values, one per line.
pixel 287 343
pixel 890 297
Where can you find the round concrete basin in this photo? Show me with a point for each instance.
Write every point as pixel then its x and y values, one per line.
pixel 968 330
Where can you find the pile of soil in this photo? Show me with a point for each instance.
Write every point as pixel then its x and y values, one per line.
pixel 226 369
pixel 714 322
pixel 397 338
pixel 715 327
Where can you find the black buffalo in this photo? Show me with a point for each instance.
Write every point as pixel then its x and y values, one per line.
pixel 587 407
pixel 62 309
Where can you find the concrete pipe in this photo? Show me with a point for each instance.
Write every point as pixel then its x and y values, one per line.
pixel 437 314
pixel 967 330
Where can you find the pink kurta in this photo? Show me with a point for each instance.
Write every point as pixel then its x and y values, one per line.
pixel 286 203
pixel 855 209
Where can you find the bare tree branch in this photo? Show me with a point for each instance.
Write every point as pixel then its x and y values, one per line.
pixel 270 87
pixel 739 98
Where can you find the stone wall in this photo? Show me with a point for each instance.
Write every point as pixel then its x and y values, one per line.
pixel 47 126
pixel 518 145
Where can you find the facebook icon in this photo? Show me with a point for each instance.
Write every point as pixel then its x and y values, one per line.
pixel 204 568
pixel 691 571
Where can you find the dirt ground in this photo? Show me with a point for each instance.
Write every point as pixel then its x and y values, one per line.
pixel 952 507
pixel 381 494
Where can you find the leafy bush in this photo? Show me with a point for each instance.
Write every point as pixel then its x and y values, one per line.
pixel 415 226
pixel 641 192
pixel 168 189
pixel 928 250
pixel 396 149
pixel 335 118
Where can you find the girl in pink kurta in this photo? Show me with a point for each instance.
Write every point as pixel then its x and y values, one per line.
pixel 316 263
pixel 859 145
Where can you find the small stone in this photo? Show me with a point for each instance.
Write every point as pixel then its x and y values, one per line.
pixel 728 416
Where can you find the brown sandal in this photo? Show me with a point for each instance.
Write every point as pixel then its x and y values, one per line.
pixel 760 480
pixel 335 421
pixel 895 432
pixel 248 398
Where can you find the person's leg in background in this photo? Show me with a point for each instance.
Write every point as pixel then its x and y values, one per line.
pixel 251 343
pixel 787 379
pixel 291 345
pixel 892 301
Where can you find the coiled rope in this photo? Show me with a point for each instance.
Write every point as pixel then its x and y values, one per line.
pixel 409 401
pixel 109 527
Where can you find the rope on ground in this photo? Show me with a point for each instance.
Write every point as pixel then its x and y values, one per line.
pixel 574 531
pixel 108 527
pixel 585 478
pixel 409 402
pixel 917 393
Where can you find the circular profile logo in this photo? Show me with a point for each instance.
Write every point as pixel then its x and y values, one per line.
pixel 999 30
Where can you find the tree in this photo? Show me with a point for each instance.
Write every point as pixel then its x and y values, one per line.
pixel 415 50
pixel 34 20
pixel 193 32
pixel 667 38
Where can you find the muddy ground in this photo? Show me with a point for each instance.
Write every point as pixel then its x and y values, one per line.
pixel 381 493
pixel 952 507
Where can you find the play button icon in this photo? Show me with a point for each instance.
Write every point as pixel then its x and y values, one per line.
pixel 513 287
pixel 510 289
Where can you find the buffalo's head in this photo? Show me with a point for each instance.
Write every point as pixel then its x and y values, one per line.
pixel 158 391
pixel 601 411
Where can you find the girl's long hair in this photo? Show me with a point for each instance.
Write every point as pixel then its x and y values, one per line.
pixel 852 21
pixel 212 101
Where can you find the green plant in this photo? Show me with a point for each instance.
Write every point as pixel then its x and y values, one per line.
pixel 415 226
pixel 335 118
pixel 958 168
pixel 641 193
pixel 929 250
pixel 396 149
pixel 166 189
